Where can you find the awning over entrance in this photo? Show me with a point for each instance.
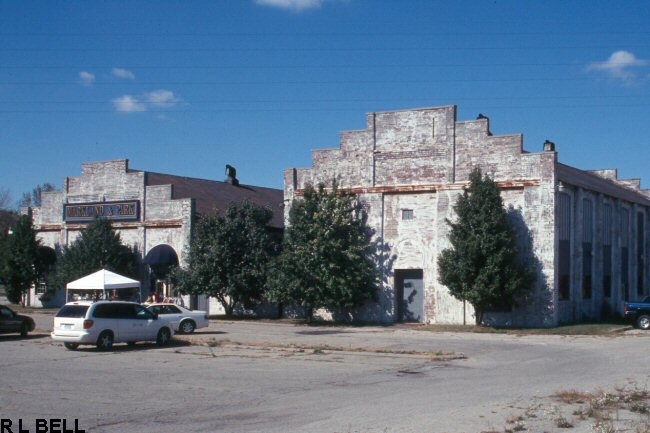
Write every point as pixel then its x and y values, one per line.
pixel 161 259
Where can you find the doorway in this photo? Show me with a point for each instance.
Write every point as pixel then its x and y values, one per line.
pixel 409 294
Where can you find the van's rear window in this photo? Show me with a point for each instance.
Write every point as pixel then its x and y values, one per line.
pixel 77 311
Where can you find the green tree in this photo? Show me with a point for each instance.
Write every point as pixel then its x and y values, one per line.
pixel 482 266
pixel 20 264
pixel 97 247
pixel 8 218
pixel 228 257
pixel 327 256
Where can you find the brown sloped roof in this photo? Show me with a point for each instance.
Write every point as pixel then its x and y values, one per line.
pixel 211 194
pixel 593 182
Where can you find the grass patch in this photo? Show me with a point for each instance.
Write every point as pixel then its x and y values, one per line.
pixel 609 328
pixel 319 349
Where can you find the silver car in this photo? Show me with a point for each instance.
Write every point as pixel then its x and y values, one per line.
pixel 184 321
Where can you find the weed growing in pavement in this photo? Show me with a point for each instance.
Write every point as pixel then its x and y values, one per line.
pixel 562 422
pixel 643 428
pixel 624 409
pixel 603 427
pixel 639 407
pixel 516 427
pixel 572 396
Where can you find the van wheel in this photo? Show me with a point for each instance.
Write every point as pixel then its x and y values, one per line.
pixel 643 322
pixel 105 341
pixel 71 346
pixel 163 337
pixel 187 327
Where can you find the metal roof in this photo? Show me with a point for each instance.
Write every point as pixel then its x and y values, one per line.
pixel 592 182
pixel 212 195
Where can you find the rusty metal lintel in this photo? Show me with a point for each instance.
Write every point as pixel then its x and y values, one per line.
pixel 405 189
pixel 116 225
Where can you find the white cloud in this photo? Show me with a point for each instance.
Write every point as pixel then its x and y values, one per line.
pixel 123 73
pixel 157 99
pixel 619 65
pixel 292 5
pixel 87 78
pixel 162 98
pixel 128 104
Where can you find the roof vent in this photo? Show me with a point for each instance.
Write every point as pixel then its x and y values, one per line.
pixel 549 146
pixel 482 116
pixel 231 175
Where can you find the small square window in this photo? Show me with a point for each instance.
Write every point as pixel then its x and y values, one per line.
pixel 407 214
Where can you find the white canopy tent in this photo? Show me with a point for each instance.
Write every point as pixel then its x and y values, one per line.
pixel 101 283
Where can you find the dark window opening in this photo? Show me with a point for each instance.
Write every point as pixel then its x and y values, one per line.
pixel 640 262
pixel 587 239
pixel 564 250
pixel 586 287
pixel 407 214
pixel 564 259
pixel 586 271
pixel 625 254
pixel 608 222
pixel 607 271
pixel 625 278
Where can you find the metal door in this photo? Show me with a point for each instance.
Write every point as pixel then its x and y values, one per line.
pixel 409 292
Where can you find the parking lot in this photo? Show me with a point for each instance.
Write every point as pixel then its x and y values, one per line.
pixel 279 377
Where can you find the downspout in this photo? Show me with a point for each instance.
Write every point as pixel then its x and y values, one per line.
pixel 374 148
pixel 453 156
pixel 143 219
pixel 384 260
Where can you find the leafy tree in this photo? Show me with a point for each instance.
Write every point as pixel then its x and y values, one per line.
pixel 8 219
pixel 20 263
pixel 97 247
pixel 326 260
pixel 34 198
pixel 482 265
pixel 228 257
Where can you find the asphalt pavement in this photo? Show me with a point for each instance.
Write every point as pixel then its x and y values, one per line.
pixel 259 376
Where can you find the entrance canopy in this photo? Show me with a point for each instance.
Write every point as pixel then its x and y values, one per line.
pixel 102 283
pixel 161 259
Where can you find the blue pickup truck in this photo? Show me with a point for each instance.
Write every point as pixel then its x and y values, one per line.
pixel 638 313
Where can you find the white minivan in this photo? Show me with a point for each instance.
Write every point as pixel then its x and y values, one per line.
pixel 103 323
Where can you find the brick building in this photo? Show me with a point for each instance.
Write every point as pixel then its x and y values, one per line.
pixel 153 212
pixel 586 231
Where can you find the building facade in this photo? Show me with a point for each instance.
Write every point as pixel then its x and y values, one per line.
pixel 586 232
pixel 153 212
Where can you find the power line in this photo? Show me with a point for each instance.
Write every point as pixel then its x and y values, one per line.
pixel 314 110
pixel 208 67
pixel 317 49
pixel 212 83
pixel 339 100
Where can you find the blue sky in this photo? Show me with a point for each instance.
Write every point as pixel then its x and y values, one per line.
pixel 187 87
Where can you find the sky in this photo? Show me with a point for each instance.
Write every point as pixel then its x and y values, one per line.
pixel 185 88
